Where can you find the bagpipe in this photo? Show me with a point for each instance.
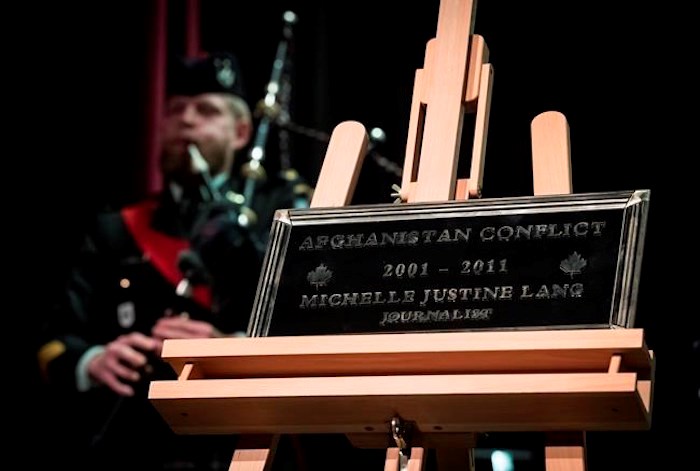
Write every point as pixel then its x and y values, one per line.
pixel 231 220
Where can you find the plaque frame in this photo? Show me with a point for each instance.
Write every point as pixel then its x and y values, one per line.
pixel 632 204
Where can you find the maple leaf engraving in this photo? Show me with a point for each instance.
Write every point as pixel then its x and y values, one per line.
pixel 573 264
pixel 319 276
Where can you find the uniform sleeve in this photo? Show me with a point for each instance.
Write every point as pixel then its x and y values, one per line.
pixel 65 332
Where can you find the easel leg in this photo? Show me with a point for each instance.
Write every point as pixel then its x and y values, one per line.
pixel 566 452
pixel 416 461
pixel 447 459
pixel 254 453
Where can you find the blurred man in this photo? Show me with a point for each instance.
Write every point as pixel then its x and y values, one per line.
pixel 181 264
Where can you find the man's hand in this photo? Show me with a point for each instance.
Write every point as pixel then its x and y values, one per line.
pixel 182 327
pixel 118 367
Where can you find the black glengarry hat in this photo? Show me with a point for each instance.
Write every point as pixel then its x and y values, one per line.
pixel 217 72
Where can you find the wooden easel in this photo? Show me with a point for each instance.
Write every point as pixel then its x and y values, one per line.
pixel 447 386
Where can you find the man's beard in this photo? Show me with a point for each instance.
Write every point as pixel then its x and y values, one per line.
pixel 177 168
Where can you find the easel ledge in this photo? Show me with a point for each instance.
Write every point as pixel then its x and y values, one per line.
pixel 454 382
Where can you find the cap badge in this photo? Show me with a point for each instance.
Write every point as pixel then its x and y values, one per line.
pixel 225 74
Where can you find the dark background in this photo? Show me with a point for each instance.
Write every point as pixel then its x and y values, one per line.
pixel 621 75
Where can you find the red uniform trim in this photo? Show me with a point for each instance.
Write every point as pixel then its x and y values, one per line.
pixel 161 250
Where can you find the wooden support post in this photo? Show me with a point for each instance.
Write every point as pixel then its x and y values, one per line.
pixel 565 451
pixel 254 453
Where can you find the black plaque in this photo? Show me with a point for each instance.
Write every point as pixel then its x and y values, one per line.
pixel 570 261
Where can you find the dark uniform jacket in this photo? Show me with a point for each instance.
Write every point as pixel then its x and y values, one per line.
pixel 124 280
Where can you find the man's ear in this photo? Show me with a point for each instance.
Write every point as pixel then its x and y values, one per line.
pixel 243 133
